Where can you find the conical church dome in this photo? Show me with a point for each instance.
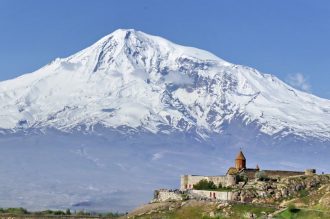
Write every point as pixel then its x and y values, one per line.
pixel 240 156
pixel 240 161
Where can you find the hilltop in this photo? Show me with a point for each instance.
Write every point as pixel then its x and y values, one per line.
pixel 308 196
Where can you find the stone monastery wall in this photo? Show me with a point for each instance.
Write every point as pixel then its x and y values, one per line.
pixel 188 181
pixel 215 195
pixel 164 195
pixel 280 173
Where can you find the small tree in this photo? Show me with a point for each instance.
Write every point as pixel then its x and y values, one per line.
pixel 16 211
pixel 68 212
pixel 261 176
pixel 205 185
pixel 59 213
pixel 292 208
pixel 242 177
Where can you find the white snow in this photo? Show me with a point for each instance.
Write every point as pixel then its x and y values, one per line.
pixel 134 79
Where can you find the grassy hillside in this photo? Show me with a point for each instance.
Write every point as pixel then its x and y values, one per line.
pixel 303 213
pixel 306 205
pixel 199 209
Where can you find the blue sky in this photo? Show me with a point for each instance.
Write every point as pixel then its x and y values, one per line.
pixel 289 39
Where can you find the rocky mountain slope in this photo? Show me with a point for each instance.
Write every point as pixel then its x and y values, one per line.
pixel 291 197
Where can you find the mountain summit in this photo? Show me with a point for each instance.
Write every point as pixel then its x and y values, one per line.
pixel 136 80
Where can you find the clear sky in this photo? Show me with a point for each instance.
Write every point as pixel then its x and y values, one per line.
pixel 290 39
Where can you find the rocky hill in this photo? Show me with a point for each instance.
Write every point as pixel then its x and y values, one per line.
pixel 301 195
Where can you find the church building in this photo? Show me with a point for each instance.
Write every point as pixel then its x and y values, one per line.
pixel 230 179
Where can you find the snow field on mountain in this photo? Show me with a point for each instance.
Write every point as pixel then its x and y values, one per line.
pixel 133 79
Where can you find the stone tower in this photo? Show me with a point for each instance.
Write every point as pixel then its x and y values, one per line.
pixel 240 161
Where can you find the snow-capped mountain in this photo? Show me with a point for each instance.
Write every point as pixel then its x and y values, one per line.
pixel 101 129
pixel 139 81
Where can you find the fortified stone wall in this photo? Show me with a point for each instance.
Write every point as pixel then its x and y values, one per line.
pixel 280 173
pixel 188 181
pixel 164 195
pixel 214 195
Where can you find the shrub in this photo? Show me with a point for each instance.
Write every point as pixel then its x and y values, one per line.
pixel 82 213
pixel 205 185
pixel 292 208
pixel 242 177
pixel 184 197
pixel 303 193
pixel 68 212
pixel 16 211
pixel 59 213
pixel 113 215
pixel 261 176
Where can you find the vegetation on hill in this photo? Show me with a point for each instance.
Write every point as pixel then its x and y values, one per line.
pixel 210 186
pixel 21 212
pixel 193 209
pixel 303 197
pixel 205 185
pixel 13 211
pixel 296 213
pixel 311 200
pixel 261 176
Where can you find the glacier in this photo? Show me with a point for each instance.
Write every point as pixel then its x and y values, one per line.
pixel 101 129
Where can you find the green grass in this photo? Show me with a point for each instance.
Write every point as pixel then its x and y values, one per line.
pixel 202 212
pixel 18 212
pixel 303 213
pixel 303 193
pixel 182 213
pixel 241 209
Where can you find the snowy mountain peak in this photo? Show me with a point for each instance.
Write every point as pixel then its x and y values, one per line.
pixel 135 80
pixel 130 49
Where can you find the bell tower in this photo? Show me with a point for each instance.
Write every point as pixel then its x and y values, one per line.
pixel 240 161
